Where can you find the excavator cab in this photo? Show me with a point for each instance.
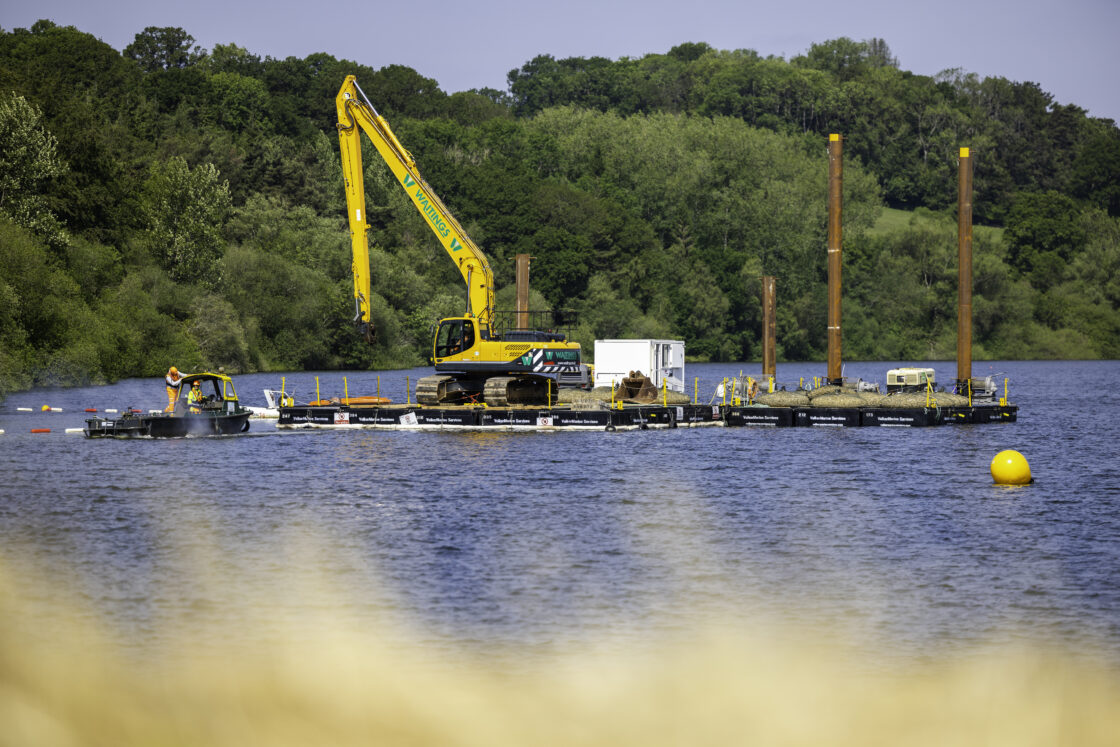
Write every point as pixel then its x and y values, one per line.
pixel 454 337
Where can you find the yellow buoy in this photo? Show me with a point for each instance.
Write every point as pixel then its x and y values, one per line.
pixel 1009 467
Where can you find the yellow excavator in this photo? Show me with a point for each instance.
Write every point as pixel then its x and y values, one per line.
pixel 484 356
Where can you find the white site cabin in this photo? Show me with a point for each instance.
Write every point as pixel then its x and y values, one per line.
pixel 660 360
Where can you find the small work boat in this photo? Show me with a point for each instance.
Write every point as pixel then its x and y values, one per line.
pixel 213 410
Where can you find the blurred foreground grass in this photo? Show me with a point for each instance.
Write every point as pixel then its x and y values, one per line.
pixel 65 682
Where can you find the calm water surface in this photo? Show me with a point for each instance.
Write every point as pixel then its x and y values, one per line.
pixel 543 539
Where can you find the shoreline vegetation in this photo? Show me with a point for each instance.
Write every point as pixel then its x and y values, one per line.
pixel 165 204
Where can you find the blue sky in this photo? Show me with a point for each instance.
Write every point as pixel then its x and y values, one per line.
pixel 1069 48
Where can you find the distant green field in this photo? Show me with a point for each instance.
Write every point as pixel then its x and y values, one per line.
pixel 891 220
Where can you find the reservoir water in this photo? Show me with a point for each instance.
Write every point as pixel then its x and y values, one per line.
pixel 482 540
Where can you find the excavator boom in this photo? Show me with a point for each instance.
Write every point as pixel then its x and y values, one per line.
pixel 356 115
pixel 475 357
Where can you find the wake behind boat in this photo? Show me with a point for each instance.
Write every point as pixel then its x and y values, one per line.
pixel 206 405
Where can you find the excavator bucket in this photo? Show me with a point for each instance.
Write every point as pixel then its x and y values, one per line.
pixel 636 388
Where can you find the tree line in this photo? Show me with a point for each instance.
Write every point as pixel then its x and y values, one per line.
pixel 166 204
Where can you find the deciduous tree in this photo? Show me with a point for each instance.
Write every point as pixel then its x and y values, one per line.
pixel 185 210
pixel 28 158
pixel 163 48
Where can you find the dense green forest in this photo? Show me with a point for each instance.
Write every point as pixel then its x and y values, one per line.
pixel 166 204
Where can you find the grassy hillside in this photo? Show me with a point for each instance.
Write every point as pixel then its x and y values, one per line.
pixel 891 220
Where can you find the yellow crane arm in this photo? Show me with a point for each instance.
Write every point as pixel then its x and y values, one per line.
pixel 354 110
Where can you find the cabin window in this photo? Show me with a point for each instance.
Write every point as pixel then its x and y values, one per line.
pixel 454 337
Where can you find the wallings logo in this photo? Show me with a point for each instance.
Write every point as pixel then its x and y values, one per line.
pixel 429 210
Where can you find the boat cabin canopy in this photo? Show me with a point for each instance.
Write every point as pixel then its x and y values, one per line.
pixel 215 388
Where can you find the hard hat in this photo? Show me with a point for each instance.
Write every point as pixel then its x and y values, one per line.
pixel 173 370
pixel 196 382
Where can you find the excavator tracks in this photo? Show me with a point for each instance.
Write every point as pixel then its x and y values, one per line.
pixel 496 391
pixel 504 391
pixel 432 390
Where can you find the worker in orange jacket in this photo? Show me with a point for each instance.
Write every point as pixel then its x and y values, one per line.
pixel 172 381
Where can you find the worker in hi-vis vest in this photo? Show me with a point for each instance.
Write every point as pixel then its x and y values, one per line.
pixel 172 381
pixel 195 398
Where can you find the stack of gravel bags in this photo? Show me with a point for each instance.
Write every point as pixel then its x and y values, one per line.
pixel 798 398
pixel 835 396
pixel 585 399
pixel 918 399
pixel 843 398
pixel 601 395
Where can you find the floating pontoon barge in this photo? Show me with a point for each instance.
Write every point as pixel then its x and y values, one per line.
pixel 630 417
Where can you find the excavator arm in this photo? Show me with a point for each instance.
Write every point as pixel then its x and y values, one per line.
pixel 354 112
